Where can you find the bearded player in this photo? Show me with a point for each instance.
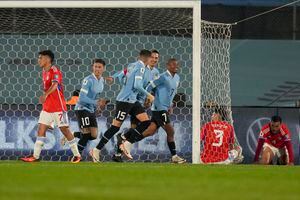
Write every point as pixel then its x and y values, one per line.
pixel 54 108
pixel 217 141
pixel 127 102
pixel 165 88
pixel 274 142
pixel 151 73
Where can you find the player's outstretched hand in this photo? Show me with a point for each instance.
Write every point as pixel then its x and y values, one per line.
pixel 109 79
pixel 150 98
pixel 42 98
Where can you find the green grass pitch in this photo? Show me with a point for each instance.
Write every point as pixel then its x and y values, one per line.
pixel 115 181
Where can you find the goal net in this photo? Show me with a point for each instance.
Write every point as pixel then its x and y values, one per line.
pixel 77 36
pixel 216 144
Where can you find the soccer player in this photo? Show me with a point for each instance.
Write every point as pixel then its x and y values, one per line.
pixel 217 140
pixel 88 103
pixel 151 73
pixel 127 102
pixel 54 108
pixel 165 88
pixel 275 142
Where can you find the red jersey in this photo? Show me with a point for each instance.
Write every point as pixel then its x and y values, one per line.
pixel 55 102
pixel 277 140
pixel 217 139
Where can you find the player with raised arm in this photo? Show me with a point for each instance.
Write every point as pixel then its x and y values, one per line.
pixel 54 108
pixel 127 102
pixel 274 142
pixel 151 73
pixel 218 141
pixel 165 88
pixel 88 103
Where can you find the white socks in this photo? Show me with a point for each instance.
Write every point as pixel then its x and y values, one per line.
pixel 38 145
pixel 73 147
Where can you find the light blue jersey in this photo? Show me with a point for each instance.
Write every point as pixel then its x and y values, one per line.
pixel 150 75
pixel 133 83
pixel 165 90
pixel 90 93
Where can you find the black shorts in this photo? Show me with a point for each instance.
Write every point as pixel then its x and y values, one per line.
pixel 124 108
pixel 86 119
pixel 160 118
pixel 134 120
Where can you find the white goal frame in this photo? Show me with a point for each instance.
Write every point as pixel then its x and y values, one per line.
pixel 194 4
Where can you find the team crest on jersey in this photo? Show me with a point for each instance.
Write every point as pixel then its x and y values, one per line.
pixel 55 76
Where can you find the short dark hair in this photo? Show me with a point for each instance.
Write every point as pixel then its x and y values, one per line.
pixel 99 60
pixel 154 51
pixel 145 53
pixel 48 53
pixel 276 118
pixel 172 60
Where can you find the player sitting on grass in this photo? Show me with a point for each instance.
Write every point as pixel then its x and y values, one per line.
pixel 275 142
pixel 88 103
pixel 218 141
pixel 127 102
pixel 54 108
pixel 151 73
pixel 165 88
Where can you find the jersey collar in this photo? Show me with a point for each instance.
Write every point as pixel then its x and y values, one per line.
pixel 168 72
pixel 141 62
pixel 96 77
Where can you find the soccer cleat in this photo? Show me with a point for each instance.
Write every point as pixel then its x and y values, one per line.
pixel 117 158
pixel 75 159
pixel 178 160
pixel 126 148
pixel 29 159
pixel 95 154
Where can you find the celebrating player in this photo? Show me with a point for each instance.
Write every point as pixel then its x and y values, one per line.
pixel 275 142
pixel 217 140
pixel 165 89
pixel 151 73
pixel 54 108
pixel 127 102
pixel 88 103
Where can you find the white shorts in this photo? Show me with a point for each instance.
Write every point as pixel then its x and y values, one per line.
pixel 277 152
pixel 56 118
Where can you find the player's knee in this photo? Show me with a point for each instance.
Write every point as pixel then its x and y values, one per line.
pixel 267 157
pixel 143 126
pixel 116 123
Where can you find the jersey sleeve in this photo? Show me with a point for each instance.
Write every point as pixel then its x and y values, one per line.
pixel 286 133
pixel 83 96
pixel 138 81
pixel 56 75
pixel 153 84
pixel 120 75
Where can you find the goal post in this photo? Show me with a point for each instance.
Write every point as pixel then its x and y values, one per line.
pixel 196 54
